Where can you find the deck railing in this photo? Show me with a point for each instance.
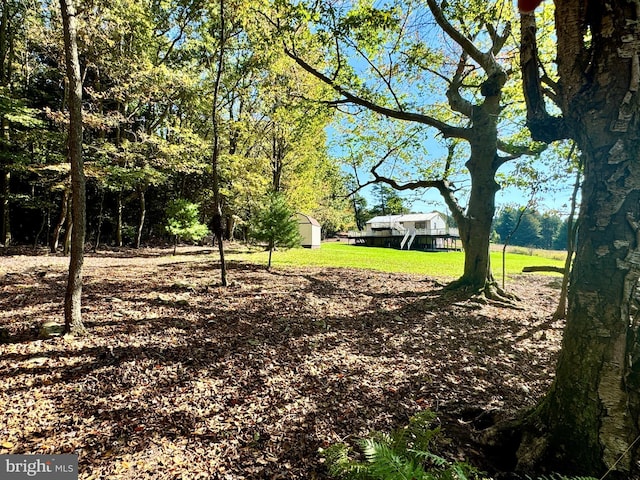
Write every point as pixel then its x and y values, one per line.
pixel 432 232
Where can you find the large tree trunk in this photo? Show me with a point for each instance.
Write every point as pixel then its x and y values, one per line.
pixel 475 224
pixel 591 413
pixel 589 421
pixel 475 229
pixel 72 300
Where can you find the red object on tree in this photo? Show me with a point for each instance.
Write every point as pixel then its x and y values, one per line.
pixel 528 6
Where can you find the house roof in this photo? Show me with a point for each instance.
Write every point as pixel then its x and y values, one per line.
pixel 306 219
pixel 408 217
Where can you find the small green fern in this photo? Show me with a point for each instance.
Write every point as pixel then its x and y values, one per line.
pixel 405 453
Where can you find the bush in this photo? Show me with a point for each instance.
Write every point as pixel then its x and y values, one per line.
pixel 183 221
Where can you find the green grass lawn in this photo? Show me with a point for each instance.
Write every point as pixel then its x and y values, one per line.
pixel 447 265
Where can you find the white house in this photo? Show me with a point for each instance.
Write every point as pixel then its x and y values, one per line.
pixel 310 231
pixel 417 231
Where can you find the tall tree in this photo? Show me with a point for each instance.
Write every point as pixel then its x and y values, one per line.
pixel 218 227
pixel 73 296
pixel 5 173
pixel 388 201
pixel 374 60
pixel 589 422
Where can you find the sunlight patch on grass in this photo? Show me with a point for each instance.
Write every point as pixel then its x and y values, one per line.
pixel 447 265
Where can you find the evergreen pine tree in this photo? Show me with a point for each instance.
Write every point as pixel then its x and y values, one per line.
pixel 276 225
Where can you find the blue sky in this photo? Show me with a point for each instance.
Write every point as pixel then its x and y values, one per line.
pixel 427 200
pixel 424 92
pixel 554 194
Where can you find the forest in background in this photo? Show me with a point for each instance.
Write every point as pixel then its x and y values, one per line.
pixel 148 83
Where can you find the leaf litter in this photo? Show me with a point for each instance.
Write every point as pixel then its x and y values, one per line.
pixel 181 378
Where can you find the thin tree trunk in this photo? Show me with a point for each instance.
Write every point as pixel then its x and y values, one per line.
pixel 506 244
pixel 143 213
pixel 217 199
pixel 5 211
pixel 119 220
pixel 66 249
pixel 41 229
pixel 73 295
pixel 572 227
pixel 231 227
pixel 5 174
pixel 100 215
pixel 55 237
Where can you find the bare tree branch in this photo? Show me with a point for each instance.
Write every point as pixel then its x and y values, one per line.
pixel 486 60
pixel 445 129
pixel 385 80
pixel 444 187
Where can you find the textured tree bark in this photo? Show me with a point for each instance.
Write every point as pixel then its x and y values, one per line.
pixel 73 295
pixel 588 422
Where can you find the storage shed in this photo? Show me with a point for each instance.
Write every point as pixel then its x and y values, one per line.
pixel 310 231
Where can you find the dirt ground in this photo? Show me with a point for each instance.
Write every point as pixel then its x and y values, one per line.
pixel 181 378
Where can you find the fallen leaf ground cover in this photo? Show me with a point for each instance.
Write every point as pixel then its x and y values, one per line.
pixel 181 378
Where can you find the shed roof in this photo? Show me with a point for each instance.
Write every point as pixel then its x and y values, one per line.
pixel 306 219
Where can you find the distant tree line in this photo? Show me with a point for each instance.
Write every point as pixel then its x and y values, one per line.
pixel 386 201
pixel 536 229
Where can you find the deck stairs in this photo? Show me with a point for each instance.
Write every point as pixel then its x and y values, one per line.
pixel 409 237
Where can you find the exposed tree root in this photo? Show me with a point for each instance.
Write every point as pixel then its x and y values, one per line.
pixel 488 294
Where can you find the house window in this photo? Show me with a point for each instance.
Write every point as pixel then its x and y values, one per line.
pixel 420 225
